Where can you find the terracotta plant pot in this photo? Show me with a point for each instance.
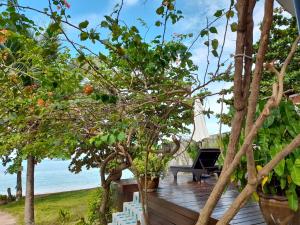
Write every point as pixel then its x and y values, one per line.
pixel 276 211
pixel 152 183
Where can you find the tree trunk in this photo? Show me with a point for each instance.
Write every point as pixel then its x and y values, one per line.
pixel 242 75
pixel 19 185
pixel 29 199
pixel 104 204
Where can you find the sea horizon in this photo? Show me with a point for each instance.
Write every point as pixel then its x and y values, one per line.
pixel 52 176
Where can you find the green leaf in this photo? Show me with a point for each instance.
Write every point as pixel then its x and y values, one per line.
pixel 213 30
pixel 276 148
pixel 218 13
pixel 230 14
pixel 215 53
pixel 291 131
pixel 283 183
pixel 171 7
pixel 102 57
pixel 297 163
pixel 157 23
pixel 84 36
pixel 215 44
pixel 54 27
pixel 289 164
pixel 105 98
pixel 81 58
pixel 279 169
pixel 292 197
pixel 104 138
pixel 203 32
pixel 111 139
pixel 98 143
pixel 92 140
pixel 269 121
pixel 295 174
pixel 83 24
pixel 233 27
pixel 160 10
pixel 104 24
pixel 121 136
pixel 94 36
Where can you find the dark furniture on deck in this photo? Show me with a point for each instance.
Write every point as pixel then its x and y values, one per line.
pixel 203 164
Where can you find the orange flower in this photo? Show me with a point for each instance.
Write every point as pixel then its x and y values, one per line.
pixel 88 89
pixel 40 102
pixel 3 36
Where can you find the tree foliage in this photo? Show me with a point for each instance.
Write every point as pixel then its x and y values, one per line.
pixel 283 31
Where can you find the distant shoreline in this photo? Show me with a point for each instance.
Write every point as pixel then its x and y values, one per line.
pixel 53 176
pixel 61 192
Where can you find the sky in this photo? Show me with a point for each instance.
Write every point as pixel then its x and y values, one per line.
pixel 195 12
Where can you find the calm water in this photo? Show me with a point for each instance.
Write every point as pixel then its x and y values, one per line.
pixel 54 176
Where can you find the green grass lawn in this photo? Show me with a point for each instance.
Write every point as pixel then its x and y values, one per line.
pixel 47 207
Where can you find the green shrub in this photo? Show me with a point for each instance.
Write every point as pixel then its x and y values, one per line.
pixel 157 165
pixel 278 130
pixel 64 216
pixel 93 212
pixel 3 197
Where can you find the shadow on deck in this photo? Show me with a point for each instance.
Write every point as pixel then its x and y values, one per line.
pixel 178 203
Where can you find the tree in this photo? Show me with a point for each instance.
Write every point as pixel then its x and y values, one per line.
pixel 36 90
pixel 142 91
pixel 283 31
pixel 135 117
pixel 245 82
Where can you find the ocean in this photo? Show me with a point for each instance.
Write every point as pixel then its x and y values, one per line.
pixel 53 176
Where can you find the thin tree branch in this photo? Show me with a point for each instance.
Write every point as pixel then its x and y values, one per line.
pixel 255 85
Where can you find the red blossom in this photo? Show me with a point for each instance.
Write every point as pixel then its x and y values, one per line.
pixel 67 4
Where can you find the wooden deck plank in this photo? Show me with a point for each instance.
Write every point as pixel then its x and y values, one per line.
pixel 178 203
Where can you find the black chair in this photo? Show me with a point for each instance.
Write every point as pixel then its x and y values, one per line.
pixel 203 164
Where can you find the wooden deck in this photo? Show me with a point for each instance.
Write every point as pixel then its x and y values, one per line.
pixel 178 203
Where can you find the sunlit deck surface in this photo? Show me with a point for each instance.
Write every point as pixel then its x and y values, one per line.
pixel 179 203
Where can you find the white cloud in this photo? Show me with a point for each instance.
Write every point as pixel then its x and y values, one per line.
pixel 127 3
pixel 200 56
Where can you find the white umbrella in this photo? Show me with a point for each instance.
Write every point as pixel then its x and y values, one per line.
pixel 200 131
pixel 288 5
pixel 293 7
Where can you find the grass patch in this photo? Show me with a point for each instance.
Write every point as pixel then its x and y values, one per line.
pixel 48 208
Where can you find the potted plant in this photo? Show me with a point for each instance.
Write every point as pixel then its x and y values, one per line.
pixel 156 168
pixel 279 192
pixel 3 199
